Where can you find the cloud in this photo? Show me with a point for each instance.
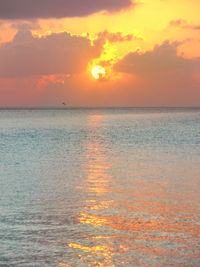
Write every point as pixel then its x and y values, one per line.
pixel 161 59
pixel 29 9
pixel 158 77
pixel 26 26
pixel 115 37
pixel 177 23
pixel 57 53
pixel 162 77
pixel 183 24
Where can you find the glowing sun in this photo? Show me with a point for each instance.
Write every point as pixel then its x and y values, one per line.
pixel 98 72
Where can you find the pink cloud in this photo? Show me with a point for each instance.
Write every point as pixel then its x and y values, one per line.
pixel 60 53
pixel 163 77
pixel 184 25
pixel 162 59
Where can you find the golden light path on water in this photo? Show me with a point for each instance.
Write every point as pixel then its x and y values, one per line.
pixel 126 218
pixel 96 185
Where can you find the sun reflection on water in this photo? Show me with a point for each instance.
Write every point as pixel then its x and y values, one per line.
pixel 97 187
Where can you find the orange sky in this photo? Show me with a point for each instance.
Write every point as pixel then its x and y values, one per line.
pixel 149 50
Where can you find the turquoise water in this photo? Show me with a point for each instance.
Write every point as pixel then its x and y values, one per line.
pixel 100 187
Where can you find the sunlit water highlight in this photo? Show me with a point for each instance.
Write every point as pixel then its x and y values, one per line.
pixel 100 187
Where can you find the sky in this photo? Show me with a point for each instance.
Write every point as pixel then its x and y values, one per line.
pixel 91 53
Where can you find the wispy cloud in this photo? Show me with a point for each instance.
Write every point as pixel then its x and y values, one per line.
pixel 184 24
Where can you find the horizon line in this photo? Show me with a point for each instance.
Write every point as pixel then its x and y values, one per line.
pixel 91 107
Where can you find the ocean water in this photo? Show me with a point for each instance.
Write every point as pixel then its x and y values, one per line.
pixel 100 187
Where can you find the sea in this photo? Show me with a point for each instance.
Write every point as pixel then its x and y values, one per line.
pixel 100 187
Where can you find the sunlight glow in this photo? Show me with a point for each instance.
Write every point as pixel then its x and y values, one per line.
pixel 98 72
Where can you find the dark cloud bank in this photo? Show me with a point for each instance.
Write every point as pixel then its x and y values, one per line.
pixel 30 9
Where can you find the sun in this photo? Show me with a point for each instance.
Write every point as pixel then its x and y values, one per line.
pixel 98 72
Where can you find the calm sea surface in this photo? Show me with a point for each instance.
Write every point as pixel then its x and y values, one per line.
pixel 100 187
